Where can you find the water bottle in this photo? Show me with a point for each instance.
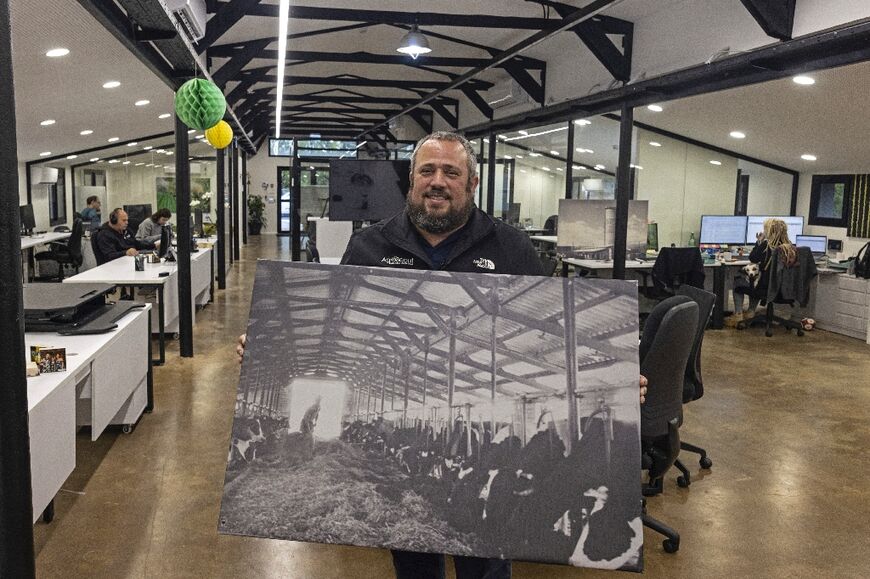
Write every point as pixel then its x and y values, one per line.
pixel 692 239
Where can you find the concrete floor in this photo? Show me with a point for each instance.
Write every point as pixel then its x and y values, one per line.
pixel 785 420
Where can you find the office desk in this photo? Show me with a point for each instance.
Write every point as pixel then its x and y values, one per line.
pixel 28 242
pixel 95 390
pixel 718 320
pixel 122 272
pixel 544 238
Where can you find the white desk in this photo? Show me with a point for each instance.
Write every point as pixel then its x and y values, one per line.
pixel 717 322
pixel 31 241
pixel 122 272
pixel 544 238
pixel 95 390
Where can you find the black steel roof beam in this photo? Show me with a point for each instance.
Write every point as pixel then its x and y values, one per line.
pixel 227 15
pixel 233 67
pixel 410 18
pixel 479 102
pixel 423 119
pixel 307 56
pixel 451 118
pixel 259 75
pixel 340 99
pixel 595 34
pixel 577 17
pixel 534 88
pixel 239 92
pixel 344 121
pixel 776 17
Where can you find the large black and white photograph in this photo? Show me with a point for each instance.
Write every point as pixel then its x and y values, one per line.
pixel 430 411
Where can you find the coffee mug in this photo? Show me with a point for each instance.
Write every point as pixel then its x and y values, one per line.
pixel 139 262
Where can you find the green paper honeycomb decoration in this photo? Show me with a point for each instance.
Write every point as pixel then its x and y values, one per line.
pixel 200 104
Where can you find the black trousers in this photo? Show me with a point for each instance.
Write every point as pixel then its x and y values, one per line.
pixel 432 566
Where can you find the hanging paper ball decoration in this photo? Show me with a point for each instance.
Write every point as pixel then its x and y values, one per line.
pixel 200 104
pixel 220 135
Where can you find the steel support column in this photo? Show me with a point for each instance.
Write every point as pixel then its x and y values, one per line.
pixel 16 503
pixel 219 205
pixel 296 194
pixel 569 169
pixel 623 191
pixel 244 197
pixel 236 210
pixel 490 176
pixel 231 231
pixel 183 239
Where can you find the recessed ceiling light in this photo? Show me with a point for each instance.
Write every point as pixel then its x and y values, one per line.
pixel 47 122
pixel 133 144
pixel 508 157
pixel 200 136
pixel 114 161
pixel 655 108
pixel 554 152
pixel 804 80
pixel 558 168
pixel 655 144
pixel 582 122
pixel 545 168
pixel 126 163
pixel 638 167
pixel 147 148
pixel 808 157
pixel 72 156
pixel 191 131
pixel 111 84
pixel 150 165
pixel 112 139
pixel 524 133
pixel 599 167
pixel 56 52
pixel 138 164
pixel 533 154
pixel 45 154
pixel 486 140
pixel 160 151
pixel 86 132
pixel 715 162
pixel 523 171
pixel 579 168
pixel 518 156
pixel 737 135
pixel 142 103
pixel 164 116
pixel 168 152
pixel 94 160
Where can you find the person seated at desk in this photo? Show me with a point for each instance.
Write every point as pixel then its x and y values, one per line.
pixel 114 241
pixel 151 228
pixel 91 213
pixel 773 238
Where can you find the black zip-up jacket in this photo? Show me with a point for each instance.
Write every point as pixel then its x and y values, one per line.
pixel 489 246
pixel 111 245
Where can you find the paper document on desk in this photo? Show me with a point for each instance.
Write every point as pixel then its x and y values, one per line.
pixel 432 411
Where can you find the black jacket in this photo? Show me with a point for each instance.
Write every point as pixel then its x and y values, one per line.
pixel 489 246
pixel 108 244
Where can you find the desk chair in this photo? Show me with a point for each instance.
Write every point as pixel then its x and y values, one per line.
pixel 551 225
pixel 674 267
pixel 549 264
pixel 786 285
pixel 63 253
pixel 664 352
pixel 693 384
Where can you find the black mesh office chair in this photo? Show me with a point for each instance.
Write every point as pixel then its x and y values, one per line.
pixel 674 267
pixel 786 285
pixel 65 253
pixel 693 383
pixel 664 352
pixel 98 255
pixel 549 264
pixel 551 225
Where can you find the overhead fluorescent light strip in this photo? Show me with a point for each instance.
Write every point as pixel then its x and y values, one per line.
pixel 283 22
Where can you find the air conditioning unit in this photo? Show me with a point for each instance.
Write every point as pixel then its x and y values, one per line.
pixel 44 175
pixel 507 94
pixel 191 14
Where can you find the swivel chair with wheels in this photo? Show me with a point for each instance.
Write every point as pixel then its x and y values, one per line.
pixel 693 383
pixel 664 352
pixel 67 253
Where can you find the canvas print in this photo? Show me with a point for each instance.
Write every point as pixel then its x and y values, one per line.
pixel 432 411
pixel 587 227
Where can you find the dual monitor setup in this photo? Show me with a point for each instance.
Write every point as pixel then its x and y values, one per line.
pixel 743 230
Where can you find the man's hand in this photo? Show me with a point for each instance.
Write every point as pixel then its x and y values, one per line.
pixel 132 251
pixel 643 384
pixel 240 350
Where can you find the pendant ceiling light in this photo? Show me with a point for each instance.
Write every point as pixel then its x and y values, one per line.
pixel 414 43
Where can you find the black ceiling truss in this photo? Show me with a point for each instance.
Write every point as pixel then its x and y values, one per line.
pixel 776 17
pixel 264 74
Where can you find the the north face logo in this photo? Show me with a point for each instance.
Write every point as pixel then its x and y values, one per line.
pixel 483 263
pixel 398 260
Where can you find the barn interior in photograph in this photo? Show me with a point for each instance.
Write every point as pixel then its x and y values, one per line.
pixel 432 411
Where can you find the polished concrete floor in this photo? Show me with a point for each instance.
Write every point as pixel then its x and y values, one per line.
pixel 786 421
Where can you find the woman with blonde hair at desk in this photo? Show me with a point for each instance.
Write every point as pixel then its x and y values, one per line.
pixel 773 238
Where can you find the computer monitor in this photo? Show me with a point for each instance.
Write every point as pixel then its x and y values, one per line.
pixel 755 225
pixel 28 221
pixel 513 213
pixel 818 244
pixel 367 190
pixel 723 229
pixel 165 242
pixel 136 214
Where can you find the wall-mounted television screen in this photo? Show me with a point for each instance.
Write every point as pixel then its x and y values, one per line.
pixel 368 190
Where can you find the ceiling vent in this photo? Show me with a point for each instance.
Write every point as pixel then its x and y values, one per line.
pixel 191 14
pixel 507 94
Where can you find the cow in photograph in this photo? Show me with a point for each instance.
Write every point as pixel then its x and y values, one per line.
pixel 247 435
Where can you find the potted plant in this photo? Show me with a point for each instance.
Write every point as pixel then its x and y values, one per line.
pixel 256 214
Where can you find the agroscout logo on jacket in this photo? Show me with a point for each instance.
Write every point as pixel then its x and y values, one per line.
pixel 484 263
pixel 398 260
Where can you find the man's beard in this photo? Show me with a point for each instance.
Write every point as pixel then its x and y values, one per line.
pixel 455 218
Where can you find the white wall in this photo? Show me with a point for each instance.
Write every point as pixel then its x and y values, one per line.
pixel 538 192
pixel 851 245
pixel 769 190
pixel 264 169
